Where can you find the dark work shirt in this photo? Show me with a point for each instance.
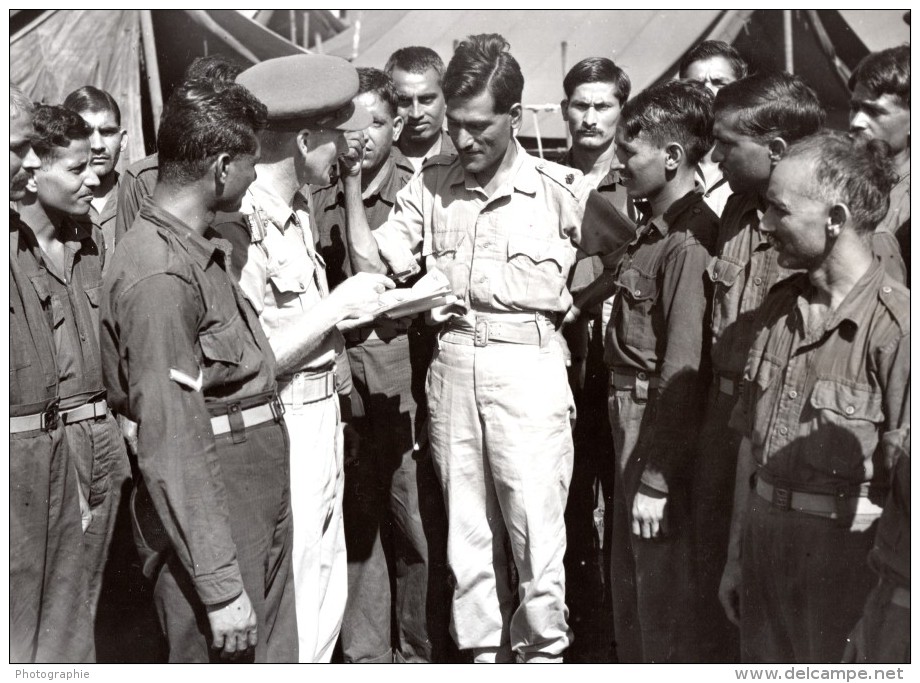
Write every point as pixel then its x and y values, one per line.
pixel 742 272
pixel 658 323
pixel 826 403
pixel 588 269
pixel 136 184
pixel 891 555
pixel 74 297
pixel 329 215
pixel 33 368
pixel 177 333
pixel 105 219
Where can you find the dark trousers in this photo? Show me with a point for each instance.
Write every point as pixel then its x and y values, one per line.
pixel 98 449
pixel 395 524
pixel 50 618
pixel 256 478
pixel 886 627
pixel 804 581
pixel 711 500
pixel 650 578
pixel 589 507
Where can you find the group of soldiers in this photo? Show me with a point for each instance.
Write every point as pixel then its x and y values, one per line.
pixel 684 348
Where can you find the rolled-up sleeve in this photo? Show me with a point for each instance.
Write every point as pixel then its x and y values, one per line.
pixel 894 372
pixel 597 227
pixel 176 450
pixel 400 238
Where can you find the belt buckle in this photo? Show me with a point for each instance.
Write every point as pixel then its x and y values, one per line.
pixel 50 418
pixel 481 335
pixel 782 498
pixel 277 408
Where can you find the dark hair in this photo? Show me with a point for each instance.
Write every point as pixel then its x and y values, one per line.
pixel 482 62
pixel 856 173
pixel 201 119
pixel 675 111
pixel 415 59
pixel 377 82
pixel 772 104
pixel 92 99
pixel 215 68
pixel 598 70
pixel 885 73
pixel 56 126
pixel 714 48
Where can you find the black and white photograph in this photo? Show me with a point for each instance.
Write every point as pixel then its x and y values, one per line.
pixel 454 336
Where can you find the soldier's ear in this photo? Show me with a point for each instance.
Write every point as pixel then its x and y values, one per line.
pixel 222 167
pixel 517 115
pixel 837 218
pixel 564 105
pixel 303 141
pixel 777 147
pixel 674 155
pixel 398 124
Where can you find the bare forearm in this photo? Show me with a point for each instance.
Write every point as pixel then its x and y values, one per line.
pixel 362 247
pixel 294 345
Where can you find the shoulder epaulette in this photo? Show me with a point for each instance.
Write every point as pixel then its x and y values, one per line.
pixel 258 225
pixel 563 176
pixel 896 298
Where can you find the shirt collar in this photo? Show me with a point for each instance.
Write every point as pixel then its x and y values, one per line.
pixel 523 177
pixel 610 180
pixel 200 247
pixel 275 208
pixel 858 303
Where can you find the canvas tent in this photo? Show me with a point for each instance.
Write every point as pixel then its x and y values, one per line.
pixel 648 44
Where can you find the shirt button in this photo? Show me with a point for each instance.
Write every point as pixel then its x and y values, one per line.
pixel 793 393
pixel 641 375
pixel 758 281
pixel 783 431
pixel 886 289
pixel 850 410
pixel 482 278
pixel 486 245
pixel 637 292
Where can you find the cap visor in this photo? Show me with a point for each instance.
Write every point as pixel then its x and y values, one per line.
pixel 353 117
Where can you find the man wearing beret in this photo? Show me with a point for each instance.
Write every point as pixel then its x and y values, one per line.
pixel 309 100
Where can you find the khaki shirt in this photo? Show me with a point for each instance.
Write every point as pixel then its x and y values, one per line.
pixel 508 252
pixel 827 404
pixel 283 275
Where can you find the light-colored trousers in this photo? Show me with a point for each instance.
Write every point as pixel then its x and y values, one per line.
pixel 319 559
pixel 501 443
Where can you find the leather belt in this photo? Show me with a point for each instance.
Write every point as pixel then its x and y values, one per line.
pixel 620 379
pixel 256 415
pixel 45 421
pixel 820 504
pixel 88 411
pixel 308 387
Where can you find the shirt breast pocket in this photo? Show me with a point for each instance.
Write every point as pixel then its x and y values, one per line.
pixel 640 292
pixel 536 271
pixel 850 416
pixel 220 346
pixel 289 281
pixel 445 247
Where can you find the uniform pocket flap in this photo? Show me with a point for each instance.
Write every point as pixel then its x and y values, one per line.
pixel 94 295
pixel 221 345
pixel 637 285
pixel 536 249
pixel 723 272
pixel 287 284
pixel 853 402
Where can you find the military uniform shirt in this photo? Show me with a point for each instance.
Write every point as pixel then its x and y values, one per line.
pixel 825 404
pixel 508 252
pixel 176 334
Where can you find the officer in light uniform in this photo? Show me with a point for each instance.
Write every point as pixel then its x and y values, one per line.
pixel 309 100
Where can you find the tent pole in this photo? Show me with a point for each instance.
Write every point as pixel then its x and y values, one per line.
pixel 292 25
pixel 787 39
pixel 153 68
